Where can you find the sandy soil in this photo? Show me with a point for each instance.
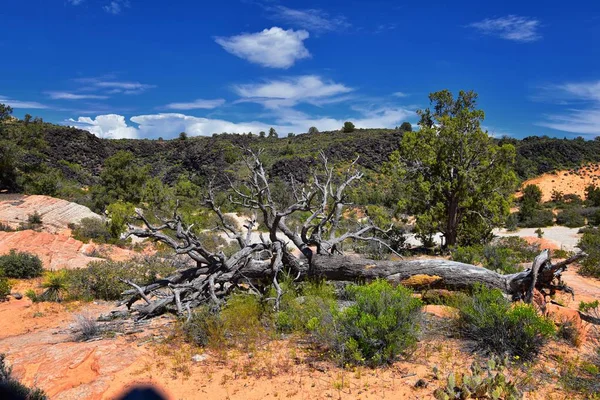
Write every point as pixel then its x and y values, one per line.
pixel 45 355
pixel 569 181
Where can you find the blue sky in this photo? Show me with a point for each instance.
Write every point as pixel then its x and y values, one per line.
pixel 150 68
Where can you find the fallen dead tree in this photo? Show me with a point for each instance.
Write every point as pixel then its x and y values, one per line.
pixel 318 240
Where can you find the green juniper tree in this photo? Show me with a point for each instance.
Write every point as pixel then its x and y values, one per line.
pixel 457 181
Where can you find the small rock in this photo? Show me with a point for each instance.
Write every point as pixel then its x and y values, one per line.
pixel 199 357
pixel 17 295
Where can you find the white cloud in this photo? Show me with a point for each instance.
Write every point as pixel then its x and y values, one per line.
pixel 586 122
pixel 274 48
pixel 22 104
pixel 124 87
pixel 400 94
pixel 583 119
pixel 109 126
pixel 74 96
pixel 309 19
pixel 75 2
pixel 196 104
pixel 511 27
pixel 116 6
pixel 168 125
pixel 291 91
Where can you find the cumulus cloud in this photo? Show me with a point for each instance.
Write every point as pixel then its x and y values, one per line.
pixel 22 104
pixel 168 125
pixel 109 126
pixel 273 48
pixel 400 94
pixel 74 96
pixel 583 116
pixel 196 104
pixel 288 92
pixel 310 19
pixel 511 27
pixel 75 2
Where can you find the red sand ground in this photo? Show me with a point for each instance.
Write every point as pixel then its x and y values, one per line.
pixel 569 181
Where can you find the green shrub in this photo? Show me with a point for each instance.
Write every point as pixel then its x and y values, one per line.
pixel 100 279
pixel 503 255
pixel 5 227
pixel 305 308
pixel 31 295
pixel 21 265
pixel 204 328
pixel 590 243
pixel 512 222
pixel 56 284
pixel 242 318
pixel 13 386
pixel 34 219
pixel 499 327
pixel 240 322
pixel 91 228
pixel 571 218
pixel 538 219
pixel 5 286
pixel 382 324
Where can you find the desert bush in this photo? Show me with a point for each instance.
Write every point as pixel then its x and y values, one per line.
pixel 242 321
pixel 21 265
pixel 34 219
pixel 499 327
pixel 5 286
pixel 590 243
pixel 86 327
pixel 5 227
pixel 13 389
pixel 91 229
pixel 512 222
pixel 56 284
pixel 571 218
pixel 204 328
pixel 382 324
pixel 306 308
pixel 486 381
pixel 100 279
pixel 503 255
pixel 594 218
pixel 538 219
pixel 568 331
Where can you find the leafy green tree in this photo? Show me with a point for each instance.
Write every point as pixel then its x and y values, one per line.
pixel 261 134
pixel 406 127
pixel 313 129
pixel 8 166
pixel 119 213
pixel 530 202
pixel 273 133
pixel 5 112
pixel 121 179
pixel 592 195
pixel 348 127
pixel 183 136
pixel 457 180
